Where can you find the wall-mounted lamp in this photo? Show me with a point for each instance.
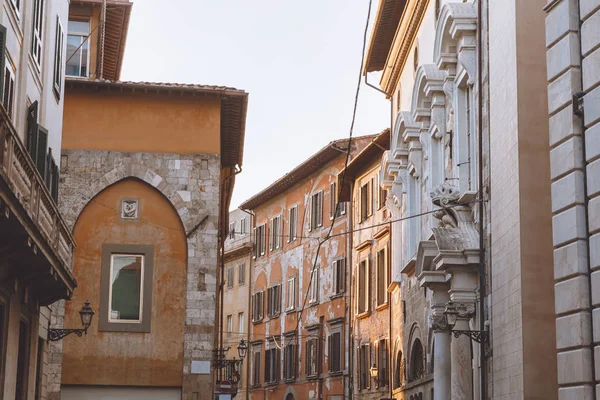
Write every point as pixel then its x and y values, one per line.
pixel 86 313
pixel 455 310
pixel 374 371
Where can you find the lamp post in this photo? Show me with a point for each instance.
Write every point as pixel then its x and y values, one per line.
pixel 86 313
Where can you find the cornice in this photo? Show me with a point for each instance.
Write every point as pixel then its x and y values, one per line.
pixel 403 41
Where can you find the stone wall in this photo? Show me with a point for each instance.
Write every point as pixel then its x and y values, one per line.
pixel 191 184
pixel 573 60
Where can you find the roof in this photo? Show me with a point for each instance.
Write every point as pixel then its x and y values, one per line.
pixel 372 152
pixel 234 105
pixel 308 167
pixel 386 23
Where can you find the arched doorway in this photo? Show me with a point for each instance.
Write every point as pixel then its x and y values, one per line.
pixel 289 397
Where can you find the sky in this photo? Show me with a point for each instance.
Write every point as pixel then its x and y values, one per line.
pixel 298 60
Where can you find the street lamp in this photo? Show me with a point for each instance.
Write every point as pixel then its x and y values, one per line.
pixel 374 371
pixel 242 349
pixel 453 311
pixel 86 313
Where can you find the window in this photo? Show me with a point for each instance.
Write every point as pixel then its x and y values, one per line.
pixel 366 200
pixel 126 288
pixel 399 371
pixel 289 359
pixel 22 362
pixel 312 357
pixel 242 274
pixel 229 325
pixel 333 203
pixel 256 350
pixel 382 276
pixel 381 198
pixel 244 226
pixel 316 210
pixel 313 296
pixel 58 58
pixel 339 276
pixel 229 277
pixel 363 286
pixel 241 323
pixel 364 366
pixel 275 233
pixel 16 4
pixel 271 363
pixel 258 306
pixel 8 93
pixel 293 221
pixel 335 350
pixel 274 301
pixel 39 368
pixel 232 230
pixel 260 238
pixel 291 293
pixel 382 363
pixel 417 361
pixel 78 53
pixel 36 40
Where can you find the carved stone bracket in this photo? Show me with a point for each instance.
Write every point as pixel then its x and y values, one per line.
pixel 438 323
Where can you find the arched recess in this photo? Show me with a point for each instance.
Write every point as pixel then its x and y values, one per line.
pixel 416 360
pixel 399 375
pixel 101 234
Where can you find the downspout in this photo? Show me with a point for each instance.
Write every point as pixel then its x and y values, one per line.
pixel 248 317
pixel 349 266
pixel 390 303
pixel 482 356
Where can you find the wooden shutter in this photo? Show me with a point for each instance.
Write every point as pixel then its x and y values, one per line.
pixel 320 209
pixel 42 146
pixel 2 58
pixel 32 129
pixel 55 179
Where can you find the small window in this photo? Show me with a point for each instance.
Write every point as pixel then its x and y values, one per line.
pixel 36 40
pixel 58 58
pixel 313 291
pixel 293 222
pixel 291 294
pixel 126 277
pixel 258 306
pixel 8 93
pixel 381 198
pixel 256 353
pixel 229 325
pixel 332 200
pixel 244 226
pixel 232 230
pixel 339 276
pixel 312 357
pixel 260 241
pixel 289 359
pixel 363 286
pixel 275 242
pixel 335 350
pixel 274 301
pixel 242 274
pixel 241 323
pixel 382 363
pixel 316 210
pixel 271 363
pixel 382 277
pixel 366 200
pixel 364 366
pixel 229 277
pixel 78 54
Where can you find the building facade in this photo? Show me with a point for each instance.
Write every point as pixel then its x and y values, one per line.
pixel 300 289
pixel 36 249
pixel 236 294
pixel 469 184
pixel 371 251
pixel 147 170
pixel 573 73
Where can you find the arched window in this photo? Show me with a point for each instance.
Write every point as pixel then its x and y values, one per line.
pixel 398 370
pixel 417 361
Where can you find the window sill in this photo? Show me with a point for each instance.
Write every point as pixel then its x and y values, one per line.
pixel 270 384
pixel 290 310
pixel 272 317
pixel 289 380
pixel 336 296
pixel 258 321
pixel 336 373
pixel 313 303
pixel 312 377
pixel 382 306
pixel 363 315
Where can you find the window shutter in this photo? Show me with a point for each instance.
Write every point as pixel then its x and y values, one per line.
pixel 2 58
pixel 320 210
pixel 336 286
pixel 32 129
pixel 42 146
pixel 55 179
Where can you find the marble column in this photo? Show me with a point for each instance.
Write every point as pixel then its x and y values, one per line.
pixel 462 366
pixel 442 372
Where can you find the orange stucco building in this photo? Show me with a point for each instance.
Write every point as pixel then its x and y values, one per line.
pixel 299 334
pixel 148 171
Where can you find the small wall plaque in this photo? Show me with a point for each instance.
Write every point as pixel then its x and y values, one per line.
pixel 129 208
pixel 201 367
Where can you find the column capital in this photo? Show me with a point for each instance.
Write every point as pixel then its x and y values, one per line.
pixel 462 310
pixel 438 323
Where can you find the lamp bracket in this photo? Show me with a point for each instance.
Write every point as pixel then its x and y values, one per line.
pixel 57 334
pixel 478 336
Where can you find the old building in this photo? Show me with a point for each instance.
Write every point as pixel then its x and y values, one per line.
pixel 36 246
pixel 573 72
pixel 299 337
pixel 236 294
pixel 469 180
pixel 147 175
pixel 371 251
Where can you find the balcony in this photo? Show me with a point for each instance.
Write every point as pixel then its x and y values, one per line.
pixel 36 247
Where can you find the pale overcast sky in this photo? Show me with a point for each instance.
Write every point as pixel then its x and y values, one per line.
pixel 298 60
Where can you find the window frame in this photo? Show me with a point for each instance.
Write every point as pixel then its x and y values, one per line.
pixel 85 38
pixel 275 233
pixel 364 363
pixel 383 363
pixel 382 266
pixel 335 330
pixel 293 224
pixel 244 226
pixel 260 240
pixel 257 316
pixel 59 44
pixel 339 284
pixel 272 362
pixel 241 322
pixel 16 6
pixel 256 367
pixel 313 361
pixel 364 286
pixel 10 73
pixel 105 324
pixel 294 283
pixel 290 350
pixel 316 210
pixel 37 37
pixel 241 274
pixel 229 320
pixel 313 292
pixel 232 230
pixel 274 300
pixel 230 271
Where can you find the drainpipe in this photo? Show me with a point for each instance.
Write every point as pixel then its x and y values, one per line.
pixel 248 317
pixel 482 356
pixel 390 304
pixel 349 266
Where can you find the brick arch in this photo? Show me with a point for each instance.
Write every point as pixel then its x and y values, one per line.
pixel 136 171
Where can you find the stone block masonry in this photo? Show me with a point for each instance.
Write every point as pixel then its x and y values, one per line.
pixel 192 184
